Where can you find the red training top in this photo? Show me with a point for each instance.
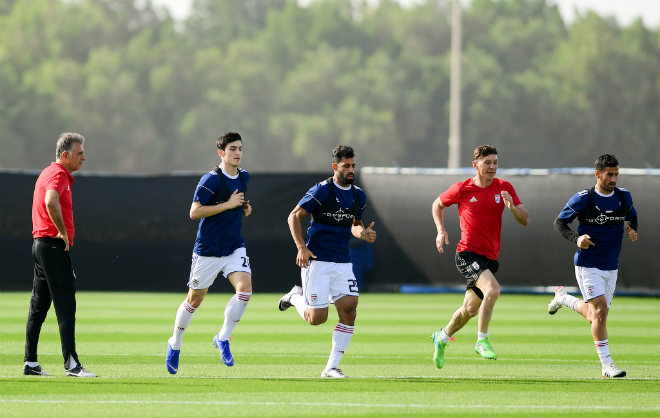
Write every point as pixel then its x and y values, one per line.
pixel 480 212
pixel 54 177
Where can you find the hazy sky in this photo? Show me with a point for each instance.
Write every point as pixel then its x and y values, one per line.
pixel 625 10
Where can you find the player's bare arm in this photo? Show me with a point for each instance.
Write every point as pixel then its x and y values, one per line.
pixel 519 212
pixel 52 201
pixel 632 234
pixel 295 226
pixel 438 217
pixel 198 211
pixel 360 232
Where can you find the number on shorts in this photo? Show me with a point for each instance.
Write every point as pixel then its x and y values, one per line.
pixel 352 286
pixel 246 261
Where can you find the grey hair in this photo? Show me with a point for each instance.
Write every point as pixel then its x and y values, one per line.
pixel 66 141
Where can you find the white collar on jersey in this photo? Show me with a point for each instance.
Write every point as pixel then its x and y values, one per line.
pixel 603 194
pixel 227 174
pixel 342 187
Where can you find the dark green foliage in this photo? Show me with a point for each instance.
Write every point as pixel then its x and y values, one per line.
pixel 151 94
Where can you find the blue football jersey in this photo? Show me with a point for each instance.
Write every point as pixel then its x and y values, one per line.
pixel 219 235
pixel 330 242
pixel 604 254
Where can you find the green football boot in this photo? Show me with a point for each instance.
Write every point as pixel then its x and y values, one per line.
pixel 484 348
pixel 439 353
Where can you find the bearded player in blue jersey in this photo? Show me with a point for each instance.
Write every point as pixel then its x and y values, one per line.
pixel 220 204
pixel 336 206
pixel 604 213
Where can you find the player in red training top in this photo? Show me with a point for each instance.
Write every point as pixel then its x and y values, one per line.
pixel 481 201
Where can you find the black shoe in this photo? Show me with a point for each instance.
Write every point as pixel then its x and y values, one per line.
pixel 34 371
pixel 80 371
pixel 285 301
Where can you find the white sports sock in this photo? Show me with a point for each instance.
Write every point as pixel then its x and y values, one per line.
pixel 299 303
pixel 341 337
pixel 233 313
pixel 603 350
pixel 72 362
pixel 482 335
pixel 570 301
pixel 444 337
pixel 32 363
pixel 183 317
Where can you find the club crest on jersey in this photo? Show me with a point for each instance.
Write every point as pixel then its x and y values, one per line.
pixel 497 198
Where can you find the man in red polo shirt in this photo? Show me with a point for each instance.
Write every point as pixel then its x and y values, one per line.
pixel 54 278
pixel 481 201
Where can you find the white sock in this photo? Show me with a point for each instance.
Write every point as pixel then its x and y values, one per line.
pixel 233 313
pixel 603 350
pixel 183 317
pixel 570 301
pixel 72 362
pixel 341 337
pixel 299 303
pixel 444 337
pixel 32 363
pixel 482 335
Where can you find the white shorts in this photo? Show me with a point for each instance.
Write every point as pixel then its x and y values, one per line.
pixel 323 278
pixel 204 270
pixel 595 282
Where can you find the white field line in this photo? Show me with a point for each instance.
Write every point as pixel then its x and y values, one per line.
pixel 429 377
pixel 377 356
pixel 330 404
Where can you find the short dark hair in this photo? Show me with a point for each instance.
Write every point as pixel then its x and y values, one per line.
pixel 342 151
pixel 606 160
pixel 66 142
pixel 227 138
pixel 483 150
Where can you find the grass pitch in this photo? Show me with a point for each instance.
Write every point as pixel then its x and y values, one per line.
pixel 547 365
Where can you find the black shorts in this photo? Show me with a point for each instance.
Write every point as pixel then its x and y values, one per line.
pixel 471 265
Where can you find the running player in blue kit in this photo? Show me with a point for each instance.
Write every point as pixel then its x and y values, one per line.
pixel 604 213
pixel 219 202
pixel 336 206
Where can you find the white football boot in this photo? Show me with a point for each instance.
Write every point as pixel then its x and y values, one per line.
pixel 333 374
pixel 554 304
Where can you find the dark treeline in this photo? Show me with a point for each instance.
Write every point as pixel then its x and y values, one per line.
pixel 151 94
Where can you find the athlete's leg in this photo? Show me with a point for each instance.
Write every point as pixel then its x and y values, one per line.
pixel 316 316
pixel 341 336
pixel 316 288
pixel 237 305
pixel 491 291
pixel 347 309
pixel 468 310
pixel 185 314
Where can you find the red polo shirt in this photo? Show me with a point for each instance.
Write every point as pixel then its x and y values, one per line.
pixel 54 177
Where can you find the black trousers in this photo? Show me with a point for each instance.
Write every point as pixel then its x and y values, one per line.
pixel 54 280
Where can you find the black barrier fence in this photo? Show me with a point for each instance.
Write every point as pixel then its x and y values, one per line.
pixel 133 232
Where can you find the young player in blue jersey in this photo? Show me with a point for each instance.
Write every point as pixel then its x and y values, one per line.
pixel 220 204
pixel 336 206
pixel 604 213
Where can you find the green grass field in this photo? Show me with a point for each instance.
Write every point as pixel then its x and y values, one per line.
pixel 547 365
